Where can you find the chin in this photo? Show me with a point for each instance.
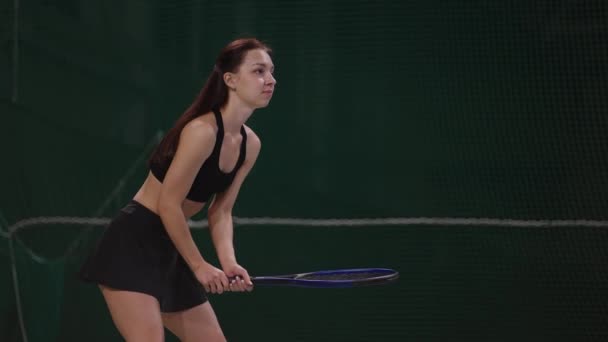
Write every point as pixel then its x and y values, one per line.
pixel 262 105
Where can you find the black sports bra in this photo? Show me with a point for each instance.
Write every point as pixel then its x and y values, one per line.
pixel 210 179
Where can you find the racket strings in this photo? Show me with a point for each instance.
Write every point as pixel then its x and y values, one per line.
pixel 342 276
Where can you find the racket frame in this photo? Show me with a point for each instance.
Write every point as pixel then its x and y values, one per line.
pixel 386 275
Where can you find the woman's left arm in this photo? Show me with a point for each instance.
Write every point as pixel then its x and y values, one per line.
pixel 220 210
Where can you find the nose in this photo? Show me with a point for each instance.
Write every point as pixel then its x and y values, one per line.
pixel 271 79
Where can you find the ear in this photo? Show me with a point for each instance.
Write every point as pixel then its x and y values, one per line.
pixel 230 79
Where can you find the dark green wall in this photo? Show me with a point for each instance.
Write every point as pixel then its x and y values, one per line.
pixel 383 109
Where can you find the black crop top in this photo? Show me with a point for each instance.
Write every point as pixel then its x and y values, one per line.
pixel 210 179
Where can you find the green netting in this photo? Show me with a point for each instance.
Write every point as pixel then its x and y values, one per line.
pixel 480 109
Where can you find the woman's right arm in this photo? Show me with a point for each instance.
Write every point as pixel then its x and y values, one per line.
pixel 195 145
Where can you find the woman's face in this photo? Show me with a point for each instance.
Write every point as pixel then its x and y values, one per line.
pixel 254 82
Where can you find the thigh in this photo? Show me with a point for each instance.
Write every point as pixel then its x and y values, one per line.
pixel 136 315
pixel 194 325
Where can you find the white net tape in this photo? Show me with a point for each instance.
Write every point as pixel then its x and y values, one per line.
pixel 362 222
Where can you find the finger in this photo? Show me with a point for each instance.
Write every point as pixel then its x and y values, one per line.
pixel 212 287
pixel 235 284
pixel 225 282
pixel 218 287
pixel 247 279
pixel 232 284
pixel 246 282
pixel 242 285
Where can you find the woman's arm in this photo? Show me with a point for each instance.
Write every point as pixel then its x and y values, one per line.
pixel 220 210
pixel 195 145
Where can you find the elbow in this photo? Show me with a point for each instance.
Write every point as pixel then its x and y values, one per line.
pixel 167 207
pixel 216 213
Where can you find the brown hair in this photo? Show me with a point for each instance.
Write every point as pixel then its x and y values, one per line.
pixel 213 95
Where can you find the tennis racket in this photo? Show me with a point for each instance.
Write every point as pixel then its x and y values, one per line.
pixel 331 278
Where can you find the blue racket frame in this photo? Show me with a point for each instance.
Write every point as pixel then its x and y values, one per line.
pixel 383 275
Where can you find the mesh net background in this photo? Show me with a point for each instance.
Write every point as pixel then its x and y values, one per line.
pixel 432 109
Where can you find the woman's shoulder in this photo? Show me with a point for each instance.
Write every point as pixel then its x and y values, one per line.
pixel 253 144
pixel 252 138
pixel 201 127
pixel 199 136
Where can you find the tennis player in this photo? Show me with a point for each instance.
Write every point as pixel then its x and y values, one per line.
pixel 149 269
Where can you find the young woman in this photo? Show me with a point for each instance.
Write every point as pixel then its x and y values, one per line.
pixel 150 271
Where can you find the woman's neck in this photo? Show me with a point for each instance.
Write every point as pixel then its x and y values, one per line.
pixel 234 116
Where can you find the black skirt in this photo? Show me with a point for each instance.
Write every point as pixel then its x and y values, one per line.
pixel 136 254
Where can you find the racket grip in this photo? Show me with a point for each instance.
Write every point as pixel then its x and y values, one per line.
pixel 237 278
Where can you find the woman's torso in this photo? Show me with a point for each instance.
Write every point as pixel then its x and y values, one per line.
pixel 149 193
pixel 228 159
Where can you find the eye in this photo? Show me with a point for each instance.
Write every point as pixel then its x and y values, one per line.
pixel 259 71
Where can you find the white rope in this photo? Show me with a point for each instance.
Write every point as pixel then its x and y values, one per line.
pixel 36 221
pixel 362 222
pixel 415 221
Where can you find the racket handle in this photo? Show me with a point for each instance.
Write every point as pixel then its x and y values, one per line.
pixel 237 278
